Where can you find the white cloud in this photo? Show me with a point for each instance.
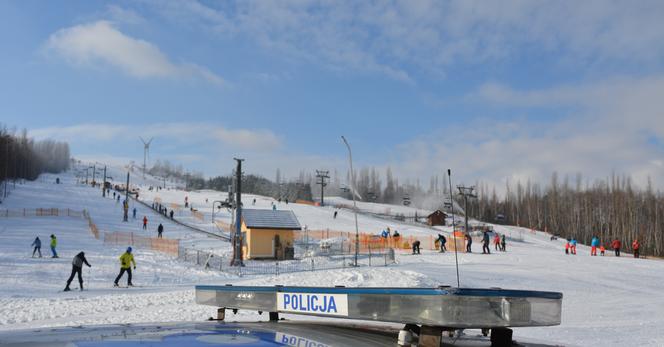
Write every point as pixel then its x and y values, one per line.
pixel 100 42
pixel 609 127
pixel 124 15
pixel 81 132
pixel 400 37
pixel 250 139
pixel 174 133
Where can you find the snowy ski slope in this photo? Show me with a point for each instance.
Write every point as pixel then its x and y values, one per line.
pixel 608 301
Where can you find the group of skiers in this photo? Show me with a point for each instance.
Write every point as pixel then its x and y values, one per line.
pixel 164 210
pixel 126 259
pixel 595 244
pixel 499 241
pixel 387 233
pixel 160 228
pixel 37 247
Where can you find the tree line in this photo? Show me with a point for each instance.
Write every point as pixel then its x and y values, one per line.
pixel 22 157
pixel 251 184
pixel 613 208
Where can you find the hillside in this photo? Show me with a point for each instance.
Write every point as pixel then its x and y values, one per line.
pixel 604 297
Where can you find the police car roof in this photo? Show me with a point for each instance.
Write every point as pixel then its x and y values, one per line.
pixel 257 334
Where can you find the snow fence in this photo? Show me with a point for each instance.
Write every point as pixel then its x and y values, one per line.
pixel 168 246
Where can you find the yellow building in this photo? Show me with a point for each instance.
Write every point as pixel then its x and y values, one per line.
pixel 268 234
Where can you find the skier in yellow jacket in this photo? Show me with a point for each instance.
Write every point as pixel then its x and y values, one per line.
pixel 125 266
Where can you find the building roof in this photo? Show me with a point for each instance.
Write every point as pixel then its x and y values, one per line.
pixel 437 212
pixel 270 219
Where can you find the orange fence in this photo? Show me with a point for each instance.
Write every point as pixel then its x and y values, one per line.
pixel 198 215
pixel 41 212
pixel 93 227
pixel 168 246
pixel 374 242
pixel 307 202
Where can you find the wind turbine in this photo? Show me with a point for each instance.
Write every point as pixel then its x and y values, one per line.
pixel 146 152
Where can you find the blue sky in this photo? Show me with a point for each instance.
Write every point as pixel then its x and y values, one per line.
pixel 494 90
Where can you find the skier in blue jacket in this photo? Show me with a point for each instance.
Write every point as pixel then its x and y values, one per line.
pixel 594 244
pixel 37 244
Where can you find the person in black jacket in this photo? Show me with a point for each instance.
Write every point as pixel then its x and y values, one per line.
pixel 441 242
pixel 485 243
pixel 77 268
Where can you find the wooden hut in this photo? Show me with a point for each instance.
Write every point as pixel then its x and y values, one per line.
pixel 436 218
pixel 268 234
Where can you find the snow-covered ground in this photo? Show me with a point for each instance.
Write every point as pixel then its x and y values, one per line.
pixel 607 300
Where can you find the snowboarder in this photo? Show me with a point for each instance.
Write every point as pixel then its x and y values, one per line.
pixel 335 215
pixel 416 247
pixel 572 248
pixel 54 243
pixel 77 268
pixel 125 266
pixel 485 243
pixel 635 246
pixel 593 246
pixel 441 241
pixel 145 222
pixel 171 214
pixel 496 242
pixel 134 213
pixel 37 244
pixel 616 244
pixel 469 243
pixel 160 229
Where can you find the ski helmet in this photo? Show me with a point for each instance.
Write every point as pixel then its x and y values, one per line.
pixel 129 249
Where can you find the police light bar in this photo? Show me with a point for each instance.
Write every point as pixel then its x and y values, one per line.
pixel 457 308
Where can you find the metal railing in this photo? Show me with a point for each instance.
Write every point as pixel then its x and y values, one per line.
pixel 211 261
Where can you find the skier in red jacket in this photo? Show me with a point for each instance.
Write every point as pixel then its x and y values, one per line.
pixel 616 244
pixel 635 246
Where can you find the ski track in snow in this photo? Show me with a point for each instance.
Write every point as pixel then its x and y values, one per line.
pixel 608 301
